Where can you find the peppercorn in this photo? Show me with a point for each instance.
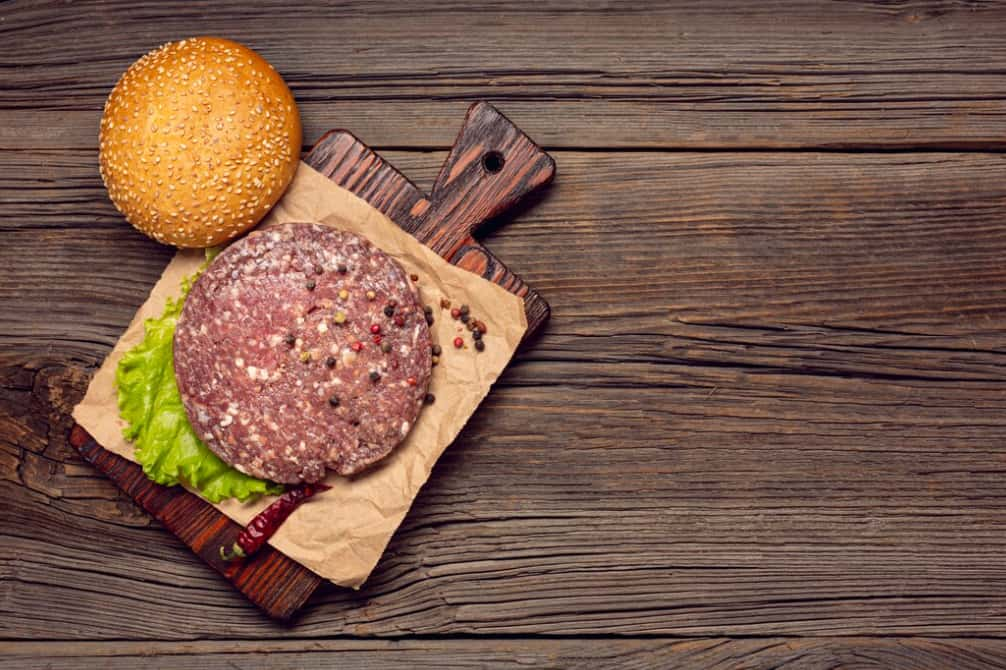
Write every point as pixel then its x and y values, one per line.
pixel 334 401
pixel 445 303
pixel 471 326
pixel 318 269
pixel 464 309
pixel 436 350
pixel 465 318
pixel 342 269
pixel 400 321
pixel 429 319
pixel 386 347
pixel 458 343
pixel 375 328
pixel 375 376
pixel 392 304
pixel 455 312
pixel 429 399
pixel 310 285
pixel 434 360
pixel 376 339
pixel 427 309
pixel 411 381
pixel 480 345
pixel 290 339
pixel 356 346
pixel 414 277
pixel 481 325
pixel 330 362
pixel 371 295
pixel 476 335
pixel 305 356
pixel 340 317
pixel 343 294
pixel 389 310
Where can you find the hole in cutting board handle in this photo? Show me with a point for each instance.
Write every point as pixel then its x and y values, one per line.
pixel 493 162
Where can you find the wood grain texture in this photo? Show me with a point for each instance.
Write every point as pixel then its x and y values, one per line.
pixel 589 654
pixel 572 74
pixel 276 584
pixel 769 403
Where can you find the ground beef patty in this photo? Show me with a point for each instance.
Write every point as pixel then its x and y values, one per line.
pixel 302 348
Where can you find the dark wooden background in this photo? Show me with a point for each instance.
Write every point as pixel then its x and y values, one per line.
pixel 765 427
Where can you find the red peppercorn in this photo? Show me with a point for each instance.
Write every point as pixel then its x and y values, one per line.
pixel 400 321
pixel 458 343
pixel 411 381
pixel 455 312
pixel 376 339
pixel 376 329
pixel 357 346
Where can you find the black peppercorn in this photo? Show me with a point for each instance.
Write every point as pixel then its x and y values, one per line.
pixel 389 310
pixel 342 268
pixel 330 361
pixel 480 345
pixel 290 339
pixel 334 401
pixel 465 318
pixel 436 350
pixel 374 376
pixel 476 335
pixel 429 399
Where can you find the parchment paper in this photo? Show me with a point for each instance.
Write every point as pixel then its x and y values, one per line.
pixel 342 533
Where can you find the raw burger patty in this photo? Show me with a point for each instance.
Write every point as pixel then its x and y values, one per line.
pixel 270 379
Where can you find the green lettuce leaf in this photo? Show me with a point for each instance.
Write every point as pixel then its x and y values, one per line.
pixel 149 402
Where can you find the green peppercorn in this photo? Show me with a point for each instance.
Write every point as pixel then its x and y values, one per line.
pixel 334 401
pixel 386 347
pixel 305 356
pixel 480 345
pixel 340 317
pixel 330 361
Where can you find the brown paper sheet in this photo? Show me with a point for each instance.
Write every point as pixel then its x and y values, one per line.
pixel 342 533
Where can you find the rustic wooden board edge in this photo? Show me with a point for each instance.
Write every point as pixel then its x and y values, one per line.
pixel 469 191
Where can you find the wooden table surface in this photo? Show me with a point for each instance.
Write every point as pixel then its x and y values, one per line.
pixel 765 427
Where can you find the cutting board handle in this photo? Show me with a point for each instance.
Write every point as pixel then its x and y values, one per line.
pixel 491 166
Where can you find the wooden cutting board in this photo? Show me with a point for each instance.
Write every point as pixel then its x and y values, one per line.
pixel 491 166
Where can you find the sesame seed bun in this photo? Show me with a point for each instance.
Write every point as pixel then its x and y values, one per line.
pixel 198 141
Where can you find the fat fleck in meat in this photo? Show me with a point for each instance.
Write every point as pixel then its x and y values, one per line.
pixel 288 358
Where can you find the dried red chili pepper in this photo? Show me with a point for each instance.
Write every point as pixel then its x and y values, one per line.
pixel 267 522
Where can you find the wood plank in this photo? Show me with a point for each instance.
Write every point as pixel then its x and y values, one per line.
pixel 666 244
pixel 713 654
pixel 770 402
pixel 769 74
